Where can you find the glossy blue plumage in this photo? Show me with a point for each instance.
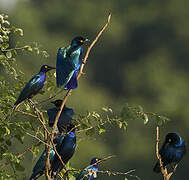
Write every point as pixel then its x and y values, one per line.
pixel 68 62
pixel 172 150
pixel 90 172
pixel 65 117
pixel 72 83
pixel 39 168
pixel 34 85
pixel 65 150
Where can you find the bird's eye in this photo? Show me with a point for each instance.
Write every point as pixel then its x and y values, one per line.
pixel 169 140
pixel 46 67
pixel 97 159
pixel 81 41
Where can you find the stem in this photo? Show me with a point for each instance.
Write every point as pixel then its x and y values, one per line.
pixel 69 91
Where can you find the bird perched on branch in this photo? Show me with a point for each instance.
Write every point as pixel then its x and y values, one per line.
pixel 65 116
pixel 172 151
pixel 34 85
pixel 65 150
pixel 39 168
pixel 68 63
pixel 90 172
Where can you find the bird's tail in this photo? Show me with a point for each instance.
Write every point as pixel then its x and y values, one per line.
pixel 157 168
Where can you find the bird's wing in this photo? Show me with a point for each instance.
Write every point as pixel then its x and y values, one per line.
pixel 72 84
pixel 69 112
pixel 40 165
pixel 63 122
pixel 66 151
pixel 30 89
pixel 58 141
pixel 89 171
pixel 64 67
pixel 52 115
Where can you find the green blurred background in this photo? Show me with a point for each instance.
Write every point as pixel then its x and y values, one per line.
pixel 141 59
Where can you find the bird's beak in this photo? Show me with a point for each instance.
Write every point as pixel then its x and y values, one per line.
pixel 49 68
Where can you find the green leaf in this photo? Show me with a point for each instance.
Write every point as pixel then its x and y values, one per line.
pixel 120 124
pixel 28 48
pixel 7 131
pixel 19 32
pixel 4 46
pixel 101 131
pixel 145 118
pixel 2 57
pixel 9 54
pixel 105 109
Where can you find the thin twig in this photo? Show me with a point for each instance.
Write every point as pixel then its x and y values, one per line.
pixel 26 113
pixel 52 97
pixel 46 133
pixel 115 173
pixel 37 138
pixel 16 48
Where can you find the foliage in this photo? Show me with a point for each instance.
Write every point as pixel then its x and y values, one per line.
pixel 15 126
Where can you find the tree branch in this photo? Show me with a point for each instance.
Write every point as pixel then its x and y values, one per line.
pixel 69 91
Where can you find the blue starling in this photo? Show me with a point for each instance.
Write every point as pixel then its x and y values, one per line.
pixel 39 168
pixel 69 60
pixel 172 151
pixel 90 172
pixel 65 117
pixel 65 150
pixel 34 85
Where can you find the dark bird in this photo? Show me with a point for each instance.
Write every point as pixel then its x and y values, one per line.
pixel 69 60
pixel 65 150
pixel 34 85
pixel 39 168
pixel 65 116
pixel 172 151
pixel 90 172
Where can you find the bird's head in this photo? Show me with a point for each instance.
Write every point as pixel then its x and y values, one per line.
pixel 173 138
pixel 57 102
pixel 95 160
pixel 78 41
pixel 46 68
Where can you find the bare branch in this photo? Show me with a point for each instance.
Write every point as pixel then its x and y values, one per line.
pixel 69 91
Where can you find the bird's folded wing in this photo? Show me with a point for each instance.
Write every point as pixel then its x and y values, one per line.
pixel 64 67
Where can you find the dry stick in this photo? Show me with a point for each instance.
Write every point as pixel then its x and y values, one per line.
pixel 69 91
pixel 37 138
pixel 114 173
pixel 40 117
pixel 164 171
pixel 46 133
pixel 26 113
pixel 43 101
